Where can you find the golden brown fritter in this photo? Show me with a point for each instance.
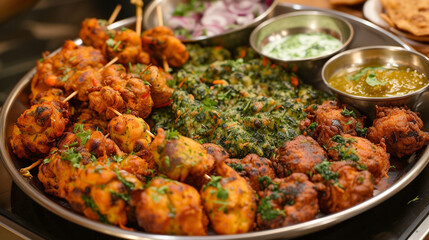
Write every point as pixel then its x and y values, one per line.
pixel 160 42
pixel 401 130
pixel 93 32
pixel 135 93
pixel 127 46
pixel 85 115
pixel 55 71
pixel 218 152
pixel 104 98
pixel 83 81
pixel 180 157
pixel 130 133
pixel 55 174
pixel 329 119
pixel 48 95
pixel 170 207
pixel 251 168
pixel 366 155
pixel 286 201
pixel 341 185
pixel 229 201
pixel 160 91
pixel 37 129
pixel 299 155
pixel 102 194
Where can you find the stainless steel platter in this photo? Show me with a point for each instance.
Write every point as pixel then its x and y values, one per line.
pixel 366 34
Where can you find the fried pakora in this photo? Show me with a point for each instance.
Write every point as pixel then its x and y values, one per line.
pixel 329 119
pixel 401 130
pixel 365 154
pixel 299 155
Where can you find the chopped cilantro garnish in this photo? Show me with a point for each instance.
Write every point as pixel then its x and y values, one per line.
pixel 237 167
pixel 266 209
pixel 172 134
pixel 127 184
pixel 72 156
pixel 83 135
pixel 348 113
pixel 89 202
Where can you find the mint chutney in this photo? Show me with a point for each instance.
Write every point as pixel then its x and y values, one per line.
pixel 301 46
pixel 378 81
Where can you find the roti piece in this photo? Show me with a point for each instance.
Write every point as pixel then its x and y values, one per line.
pixel 410 15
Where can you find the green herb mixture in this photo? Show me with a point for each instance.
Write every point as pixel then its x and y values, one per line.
pixel 245 104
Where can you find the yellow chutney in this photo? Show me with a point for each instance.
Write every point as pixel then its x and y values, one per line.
pixel 378 81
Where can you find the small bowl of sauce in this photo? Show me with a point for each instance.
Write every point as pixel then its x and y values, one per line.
pixel 377 75
pixel 302 40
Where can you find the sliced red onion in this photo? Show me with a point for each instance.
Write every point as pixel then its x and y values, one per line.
pixel 176 22
pixel 240 7
pixel 246 19
pixel 218 18
pixel 208 30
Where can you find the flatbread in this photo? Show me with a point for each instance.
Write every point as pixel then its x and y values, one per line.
pixel 408 15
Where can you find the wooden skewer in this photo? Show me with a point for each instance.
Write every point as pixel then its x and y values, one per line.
pixel 161 23
pixel 120 114
pixel 139 14
pixel 108 64
pixel 159 15
pixel 114 14
pixel 70 96
pixel 26 171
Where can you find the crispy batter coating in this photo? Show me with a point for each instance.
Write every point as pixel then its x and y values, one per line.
pixel 93 32
pixel 180 157
pixel 251 168
pixel 287 201
pixel 37 128
pixel 160 91
pixel 130 133
pixel 85 115
pixel 83 81
pixel 229 201
pixel 127 46
pixel 48 95
pixel 218 152
pixel 54 71
pixel 329 119
pixel 366 155
pixel 124 91
pixel 299 155
pixel 401 130
pixel 160 42
pixel 170 207
pixel 106 97
pixel 101 193
pixel 341 186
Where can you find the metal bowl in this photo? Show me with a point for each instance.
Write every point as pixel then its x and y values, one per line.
pixel 302 22
pixel 376 55
pixel 228 39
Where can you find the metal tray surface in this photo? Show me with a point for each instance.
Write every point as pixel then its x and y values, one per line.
pixel 366 34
